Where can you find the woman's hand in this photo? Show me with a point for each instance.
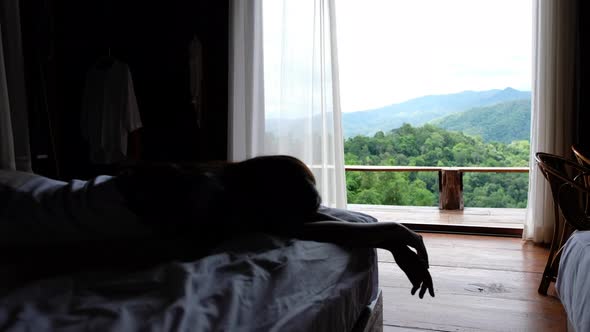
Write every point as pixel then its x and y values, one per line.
pixel 414 264
pixel 415 268
pixel 415 241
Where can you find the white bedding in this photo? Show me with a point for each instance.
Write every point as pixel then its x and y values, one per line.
pixel 255 283
pixel 274 285
pixel 573 282
pixel 38 210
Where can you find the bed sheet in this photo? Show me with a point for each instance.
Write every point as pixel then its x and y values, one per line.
pixel 573 284
pixel 256 283
pixel 35 210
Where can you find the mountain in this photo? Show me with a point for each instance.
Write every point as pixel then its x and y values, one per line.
pixel 422 110
pixel 503 122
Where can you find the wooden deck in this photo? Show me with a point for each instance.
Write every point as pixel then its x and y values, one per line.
pixel 477 217
pixel 482 283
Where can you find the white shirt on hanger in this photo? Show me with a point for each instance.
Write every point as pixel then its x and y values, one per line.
pixel 109 111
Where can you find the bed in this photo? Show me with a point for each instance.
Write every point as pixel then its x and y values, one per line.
pixel 256 282
pixel 573 284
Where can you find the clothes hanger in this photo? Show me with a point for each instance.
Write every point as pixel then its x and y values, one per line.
pixel 106 61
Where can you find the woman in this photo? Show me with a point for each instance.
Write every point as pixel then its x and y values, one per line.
pixel 273 194
pixel 172 210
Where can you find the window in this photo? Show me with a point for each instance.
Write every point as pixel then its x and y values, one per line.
pixel 430 83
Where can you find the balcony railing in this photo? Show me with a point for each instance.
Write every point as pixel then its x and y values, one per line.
pixel 450 179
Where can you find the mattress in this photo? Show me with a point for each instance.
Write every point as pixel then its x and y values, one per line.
pixel 255 283
pixel 573 284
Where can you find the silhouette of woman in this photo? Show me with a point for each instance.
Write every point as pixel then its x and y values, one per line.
pixel 272 194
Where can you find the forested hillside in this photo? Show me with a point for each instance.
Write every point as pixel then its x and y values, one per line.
pixel 503 122
pixel 419 111
pixel 433 146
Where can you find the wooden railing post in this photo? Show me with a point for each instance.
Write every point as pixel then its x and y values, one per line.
pixel 450 185
pixel 450 179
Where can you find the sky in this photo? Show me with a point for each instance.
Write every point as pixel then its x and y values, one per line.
pixel 390 51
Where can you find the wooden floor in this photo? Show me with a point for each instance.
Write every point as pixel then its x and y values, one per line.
pixel 487 217
pixel 482 283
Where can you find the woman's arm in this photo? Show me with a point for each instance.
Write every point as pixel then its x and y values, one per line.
pixel 390 236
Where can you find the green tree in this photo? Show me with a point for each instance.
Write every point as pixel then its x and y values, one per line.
pixel 432 146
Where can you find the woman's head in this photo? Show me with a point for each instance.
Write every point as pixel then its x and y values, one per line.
pixel 273 186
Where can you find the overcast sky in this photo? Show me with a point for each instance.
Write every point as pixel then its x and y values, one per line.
pixel 394 50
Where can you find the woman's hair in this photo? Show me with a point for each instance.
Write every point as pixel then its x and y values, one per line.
pixel 273 187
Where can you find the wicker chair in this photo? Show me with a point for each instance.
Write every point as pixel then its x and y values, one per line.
pixel 570 196
pixel 582 155
pixel 583 158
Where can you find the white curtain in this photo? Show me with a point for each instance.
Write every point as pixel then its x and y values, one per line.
pixel 284 88
pixel 14 129
pixel 553 106
pixel 7 160
pixel 246 81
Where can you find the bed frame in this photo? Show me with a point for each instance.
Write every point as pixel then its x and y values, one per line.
pixel 371 318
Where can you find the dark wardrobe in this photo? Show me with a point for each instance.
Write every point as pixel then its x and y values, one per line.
pixel 63 39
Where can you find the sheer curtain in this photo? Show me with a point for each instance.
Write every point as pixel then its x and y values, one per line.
pixel 553 106
pixel 14 129
pixel 6 139
pixel 284 88
pixel 246 81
